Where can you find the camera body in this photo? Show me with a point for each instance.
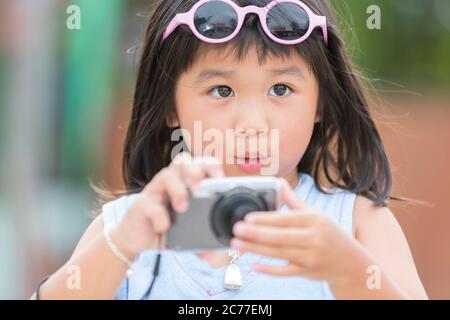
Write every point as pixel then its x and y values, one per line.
pixel 216 206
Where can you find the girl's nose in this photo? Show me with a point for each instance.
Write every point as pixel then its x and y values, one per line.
pixel 251 119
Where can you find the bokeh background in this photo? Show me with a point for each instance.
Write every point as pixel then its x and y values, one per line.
pixel 65 98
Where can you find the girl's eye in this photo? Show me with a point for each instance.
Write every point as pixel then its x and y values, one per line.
pixel 222 92
pixel 280 90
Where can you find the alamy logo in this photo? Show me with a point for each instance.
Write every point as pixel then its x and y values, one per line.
pixel 231 146
pixel 74 279
pixel 374 20
pixel 73 21
pixel 374 278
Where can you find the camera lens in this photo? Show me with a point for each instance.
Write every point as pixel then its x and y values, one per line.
pixel 231 207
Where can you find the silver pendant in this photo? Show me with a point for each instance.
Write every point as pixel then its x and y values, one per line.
pixel 233 277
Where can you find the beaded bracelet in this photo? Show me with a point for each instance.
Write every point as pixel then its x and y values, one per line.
pixel 117 252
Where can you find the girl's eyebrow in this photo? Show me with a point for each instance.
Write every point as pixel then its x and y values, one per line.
pixel 212 73
pixel 290 70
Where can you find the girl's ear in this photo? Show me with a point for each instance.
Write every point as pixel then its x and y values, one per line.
pixel 172 121
pixel 318 118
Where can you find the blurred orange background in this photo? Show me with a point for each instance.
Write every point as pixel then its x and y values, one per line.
pixel 66 95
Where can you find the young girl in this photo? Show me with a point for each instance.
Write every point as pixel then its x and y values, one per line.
pixel 252 66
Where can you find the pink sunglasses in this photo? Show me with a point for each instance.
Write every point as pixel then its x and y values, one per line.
pixel 217 21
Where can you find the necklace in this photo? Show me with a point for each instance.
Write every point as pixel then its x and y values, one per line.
pixel 233 277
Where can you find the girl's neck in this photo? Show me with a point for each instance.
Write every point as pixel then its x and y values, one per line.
pixel 293 178
pixel 215 258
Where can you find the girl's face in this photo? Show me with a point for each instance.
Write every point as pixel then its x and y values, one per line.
pixel 241 109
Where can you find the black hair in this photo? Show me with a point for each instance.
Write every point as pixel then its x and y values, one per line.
pixel 345 149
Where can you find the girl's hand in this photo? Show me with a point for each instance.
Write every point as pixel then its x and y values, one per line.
pixel 313 244
pixel 148 216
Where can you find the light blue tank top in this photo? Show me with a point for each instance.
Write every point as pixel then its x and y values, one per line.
pixel 185 276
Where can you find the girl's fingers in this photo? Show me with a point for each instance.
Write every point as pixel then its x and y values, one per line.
pixel 287 270
pixel 290 198
pixel 156 213
pixel 168 182
pixel 160 219
pixel 183 172
pixel 190 174
pixel 281 219
pixel 182 158
pixel 275 252
pixel 272 236
pixel 213 166
pixel 193 170
pixel 176 190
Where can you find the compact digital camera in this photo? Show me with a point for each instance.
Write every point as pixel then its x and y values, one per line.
pixel 216 206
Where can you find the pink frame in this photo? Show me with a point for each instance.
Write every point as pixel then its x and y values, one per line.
pixel 187 18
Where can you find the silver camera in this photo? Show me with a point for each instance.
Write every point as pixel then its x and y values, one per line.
pixel 216 206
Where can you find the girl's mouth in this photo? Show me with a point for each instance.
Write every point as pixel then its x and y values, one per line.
pixel 250 165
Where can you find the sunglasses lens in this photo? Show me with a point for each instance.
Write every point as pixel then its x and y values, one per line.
pixel 216 20
pixel 288 21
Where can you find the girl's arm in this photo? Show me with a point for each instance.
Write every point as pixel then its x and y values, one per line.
pixel 100 271
pixel 376 265
pixel 377 230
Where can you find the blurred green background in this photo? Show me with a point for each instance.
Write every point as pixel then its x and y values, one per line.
pixel 65 97
pixel 412 48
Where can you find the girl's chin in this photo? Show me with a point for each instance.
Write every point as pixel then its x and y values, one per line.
pixel 242 170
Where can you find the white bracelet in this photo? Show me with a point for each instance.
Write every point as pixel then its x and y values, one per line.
pixel 117 252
